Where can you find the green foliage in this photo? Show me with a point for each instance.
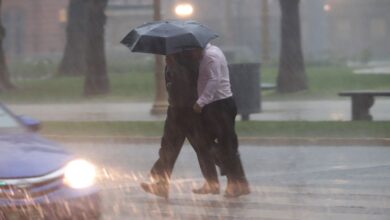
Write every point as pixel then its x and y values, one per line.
pixel 37 82
pixel 134 64
pixel 325 82
pixel 134 81
pixel 314 129
pixel 45 90
pixel 244 129
pixel 136 86
pixel 32 69
pixel 143 129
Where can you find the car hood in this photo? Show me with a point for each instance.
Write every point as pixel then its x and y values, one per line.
pixel 29 155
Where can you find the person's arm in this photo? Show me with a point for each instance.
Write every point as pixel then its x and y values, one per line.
pixel 167 76
pixel 212 75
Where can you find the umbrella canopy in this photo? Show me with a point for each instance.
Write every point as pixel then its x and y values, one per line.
pixel 168 37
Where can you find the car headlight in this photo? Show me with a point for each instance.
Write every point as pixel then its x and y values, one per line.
pixel 79 174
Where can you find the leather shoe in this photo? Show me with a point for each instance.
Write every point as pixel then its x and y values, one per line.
pixel 207 189
pixel 236 190
pixel 159 188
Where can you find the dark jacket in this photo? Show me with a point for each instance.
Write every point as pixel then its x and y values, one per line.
pixel 181 84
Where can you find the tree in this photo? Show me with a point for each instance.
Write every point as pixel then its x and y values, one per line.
pixel 73 61
pixel 5 83
pixel 291 76
pixel 96 79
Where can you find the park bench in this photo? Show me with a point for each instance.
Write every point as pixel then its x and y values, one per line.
pixel 362 101
pixel 267 86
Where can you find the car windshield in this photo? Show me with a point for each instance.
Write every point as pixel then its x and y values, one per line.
pixel 7 122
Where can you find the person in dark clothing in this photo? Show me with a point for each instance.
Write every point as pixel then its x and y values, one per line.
pixel 219 119
pixel 181 122
pixel 218 109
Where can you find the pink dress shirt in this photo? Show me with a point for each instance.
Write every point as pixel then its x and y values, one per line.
pixel 213 79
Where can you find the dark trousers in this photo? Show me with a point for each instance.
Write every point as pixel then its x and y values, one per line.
pixel 183 123
pixel 219 119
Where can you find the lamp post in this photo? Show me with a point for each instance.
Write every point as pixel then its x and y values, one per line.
pixel 160 98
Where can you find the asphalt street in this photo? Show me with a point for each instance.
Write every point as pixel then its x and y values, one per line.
pixel 288 183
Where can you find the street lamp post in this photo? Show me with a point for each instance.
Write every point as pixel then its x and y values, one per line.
pixel 160 101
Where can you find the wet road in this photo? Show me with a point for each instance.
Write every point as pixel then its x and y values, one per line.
pixel 288 183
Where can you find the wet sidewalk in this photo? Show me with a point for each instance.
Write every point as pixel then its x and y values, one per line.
pixel 325 110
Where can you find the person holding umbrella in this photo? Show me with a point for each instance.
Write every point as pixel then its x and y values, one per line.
pixel 181 122
pixel 171 39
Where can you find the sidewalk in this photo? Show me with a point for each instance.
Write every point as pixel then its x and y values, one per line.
pixel 328 110
pixel 325 110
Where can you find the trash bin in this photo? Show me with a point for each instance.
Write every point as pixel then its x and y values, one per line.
pixel 245 82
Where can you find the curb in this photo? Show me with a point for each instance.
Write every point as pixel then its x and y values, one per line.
pixel 316 141
pixel 258 141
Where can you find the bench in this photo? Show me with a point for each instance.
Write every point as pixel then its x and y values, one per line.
pixel 362 101
pixel 267 86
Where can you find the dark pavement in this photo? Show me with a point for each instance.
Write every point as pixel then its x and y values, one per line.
pixel 288 183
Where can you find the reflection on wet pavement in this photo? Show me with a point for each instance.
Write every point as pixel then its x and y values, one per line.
pixel 288 183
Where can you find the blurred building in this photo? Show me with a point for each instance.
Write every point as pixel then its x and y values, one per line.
pixel 237 22
pixel 123 15
pixel 314 29
pixel 34 28
pixel 359 29
pixel 336 29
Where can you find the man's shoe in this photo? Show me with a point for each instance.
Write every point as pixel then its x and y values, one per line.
pixel 236 190
pixel 207 189
pixel 159 188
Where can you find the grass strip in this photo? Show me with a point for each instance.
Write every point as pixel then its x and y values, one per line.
pixel 267 129
pixel 137 84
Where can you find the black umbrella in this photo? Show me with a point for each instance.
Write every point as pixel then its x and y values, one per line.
pixel 168 37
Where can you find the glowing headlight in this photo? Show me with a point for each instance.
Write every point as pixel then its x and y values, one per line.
pixel 79 174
